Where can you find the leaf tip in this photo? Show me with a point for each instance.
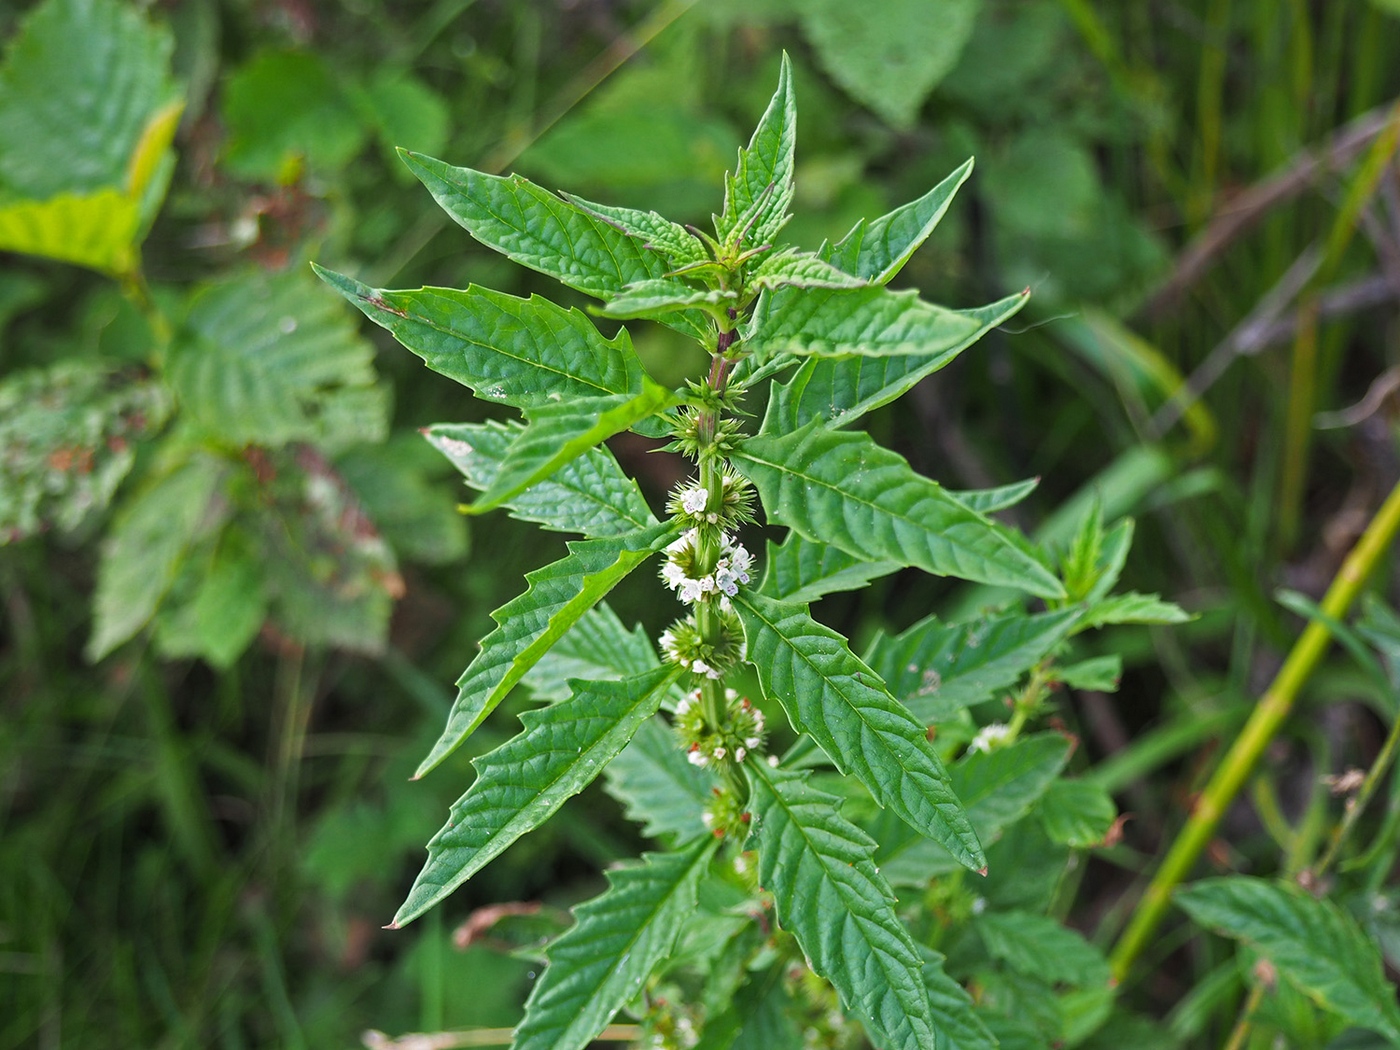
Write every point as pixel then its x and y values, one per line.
pixel 982 871
pixel 392 926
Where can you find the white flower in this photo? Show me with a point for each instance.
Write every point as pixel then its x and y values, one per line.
pixel 740 753
pixel 990 738
pixel 719 753
pixel 773 761
pixel 693 500
pixel 697 757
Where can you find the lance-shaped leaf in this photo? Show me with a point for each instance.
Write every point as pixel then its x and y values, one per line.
pixel 989 501
pixel 841 390
pixel 937 668
pixel 557 596
pixel 596 648
pixel 757 195
pixel 604 959
pixel 520 352
pixel 845 490
pixel 535 228
pixel 878 250
pixel 831 897
pixel 1313 943
pixel 794 269
pixel 952 1007
pixel 666 295
pixel 520 784
pixel 657 787
pixel 589 494
pixel 655 232
pixel 871 322
pixel 802 570
pixel 560 433
pixel 837 700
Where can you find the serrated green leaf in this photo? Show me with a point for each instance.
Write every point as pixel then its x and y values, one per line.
pixel 657 787
pixel 261 359
pixel 890 55
pixel 802 570
pixel 845 490
pixel 1099 672
pixel 1076 813
pixel 603 961
pixel 399 485
pixel 837 700
pixel 937 669
pixel 755 1017
pixel 520 352
pixel 842 390
pixel 878 250
pixel 996 788
pixel 1132 607
pixel 665 295
pixel 79 87
pixel 538 229
pixel 831 897
pixel 1313 943
pixel 523 782
pixel 1026 942
pixel 655 232
pixel 989 501
pixel 596 648
pixel 557 596
pixel 794 269
pixel 952 1007
pixel 560 433
pixel 589 494
pixel 757 196
pixel 870 322
pixel 96 230
pixel 145 547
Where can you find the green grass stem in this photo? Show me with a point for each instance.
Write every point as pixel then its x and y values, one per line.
pixel 1263 725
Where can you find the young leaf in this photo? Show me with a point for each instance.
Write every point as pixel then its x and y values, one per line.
pixel 871 322
pixel 1131 607
pixel 841 390
pixel 1076 813
pixel 520 352
pixel 1312 942
pixel 831 897
pixel 557 596
pixel 520 784
pixel 560 433
pixel 603 961
pixel 149 539
pixel 655 232
pixel 262 359
pixel 937 669
pixel 758 194
pixel 1099 672
pixel 793 269
pixel 802 570
pixel 654 298
pixel 845 490
pixel 879 249
pixel 952 1007
pixel 537 229
pixel 989 501
pixel 835 698
pixel 589 494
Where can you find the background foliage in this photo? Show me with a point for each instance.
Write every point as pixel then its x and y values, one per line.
pixel 235 591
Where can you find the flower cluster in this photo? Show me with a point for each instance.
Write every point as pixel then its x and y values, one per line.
pixel 694 504
pixel 682 573
pixel 682 643
pixel 742 732
pixel 990 738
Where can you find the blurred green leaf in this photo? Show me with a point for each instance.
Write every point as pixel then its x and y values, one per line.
pixel 1076 813
pixel 395 483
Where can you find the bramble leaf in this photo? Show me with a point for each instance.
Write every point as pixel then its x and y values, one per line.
pixel 841 390
pixel 141 557
pixel 878 249
pixel 1313 943
pixel 870 322
pixel 520 352
pixel 557 596
pixel 802 570
pixel 936 668
pixel 758 194
pixel 599 964
pixel 831 897
pixel 589 494
pixel 844 489
pixel 269 361
pixel 837 700
pixel 520 784
pixel 560 433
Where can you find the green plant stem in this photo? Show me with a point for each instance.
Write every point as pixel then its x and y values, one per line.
pixel 1239 1035
pixel 1268 716
pixel 1357 805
